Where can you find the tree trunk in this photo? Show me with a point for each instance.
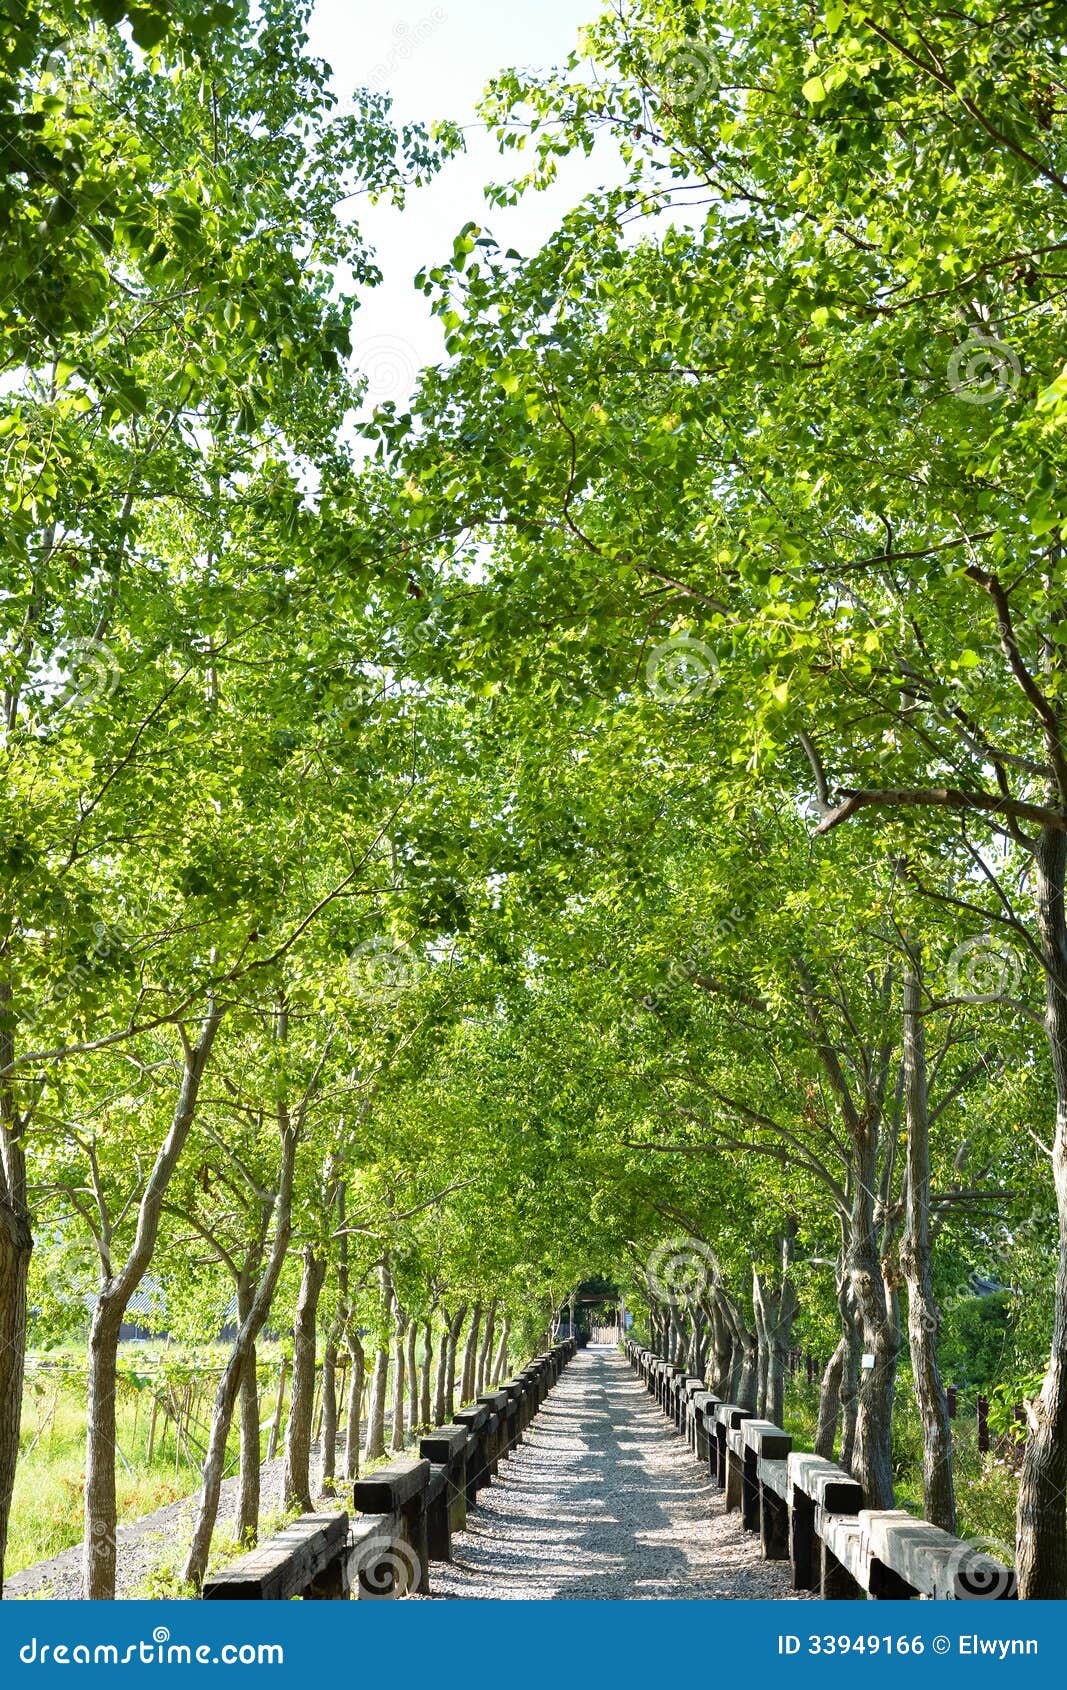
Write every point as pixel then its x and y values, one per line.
pixel 16 1246
pixel 830 1401
pixel 470 1352
pixel 247 1517
pixel 700 1341
pixel 872 1456
pixel 441 1384
pixel 427 1371
pixel 852 1345
pixel 759 1311
pixel 296 1480
pixel 98 1554
pixel 1041 1524
pixel 375 1444
pixel 850 1397
pixel 748 1379
pixel 744 1373
pixel 413 1375
pixel 454 1329
pixel 501 1361
pixel 485 1354
pixel 916 1261
pixel 399 1435
pixel 329 1403
pixel 721 1349
pixel 678 1334
pixel 780 1311
pixel 355 1401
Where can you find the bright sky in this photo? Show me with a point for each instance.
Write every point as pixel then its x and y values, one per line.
pixel 434 57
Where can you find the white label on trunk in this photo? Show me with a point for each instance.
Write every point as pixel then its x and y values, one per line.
pixel 867 1361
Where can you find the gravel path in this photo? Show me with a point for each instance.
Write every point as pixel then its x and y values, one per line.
pixel 603 1501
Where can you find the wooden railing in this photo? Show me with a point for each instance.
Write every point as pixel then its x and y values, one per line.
pixel 810 1512
pixel 406 1512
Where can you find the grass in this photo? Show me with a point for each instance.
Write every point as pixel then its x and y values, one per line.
pixel 50 1479
pixel 50 1482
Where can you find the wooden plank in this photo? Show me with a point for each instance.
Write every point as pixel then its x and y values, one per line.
pixel 444 1442
pixel 775 1475
pixel 285 1564
pixel 494 1401
pixel 766 1439
pixel 729 1415
pixel 391 1487
pixel 934 1562
pixel 847 1540
pixel 828 1485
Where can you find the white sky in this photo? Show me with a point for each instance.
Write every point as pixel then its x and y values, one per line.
pixel 434 57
